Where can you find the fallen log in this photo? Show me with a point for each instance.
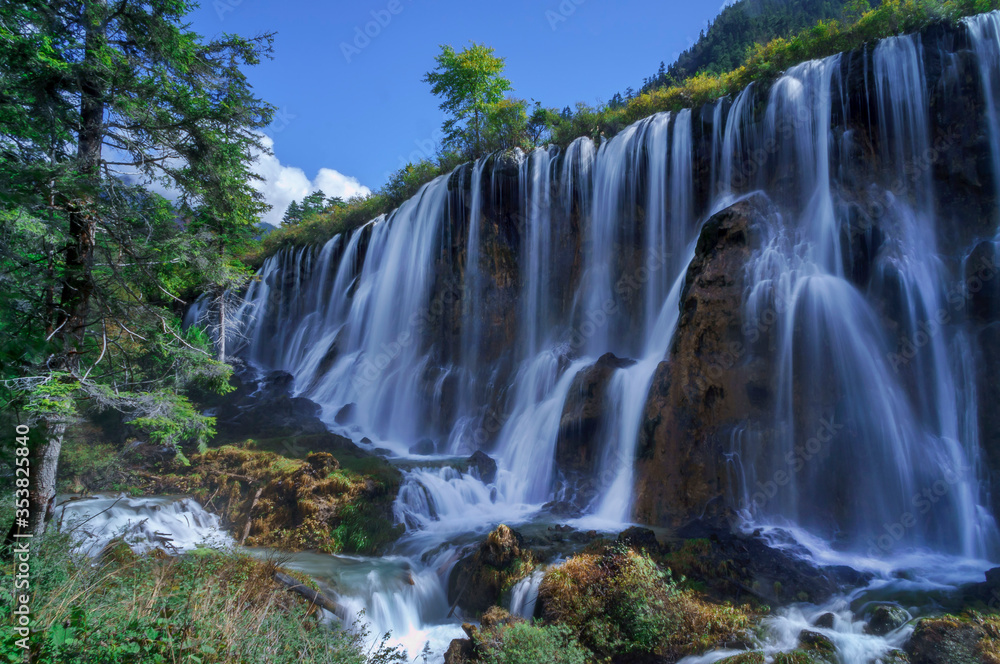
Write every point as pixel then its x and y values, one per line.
pixel 317 598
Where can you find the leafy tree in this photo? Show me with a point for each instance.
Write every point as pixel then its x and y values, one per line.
pixel 98 98
pixel 473 88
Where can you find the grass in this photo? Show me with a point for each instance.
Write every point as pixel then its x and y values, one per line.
pixel 204 608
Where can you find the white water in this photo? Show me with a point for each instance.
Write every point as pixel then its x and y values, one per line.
pixel 363 320
pixel 174 524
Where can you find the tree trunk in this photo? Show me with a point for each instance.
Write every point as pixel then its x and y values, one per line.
pixel 68 321
pixel 43 471
pixel 222 327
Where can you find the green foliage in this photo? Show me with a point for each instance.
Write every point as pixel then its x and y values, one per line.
pixel 524 643
pixel 206 608
pixel 170 419
pixel 471 84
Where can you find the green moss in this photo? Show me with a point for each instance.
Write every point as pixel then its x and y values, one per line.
pixel 754 657
pixel 621 602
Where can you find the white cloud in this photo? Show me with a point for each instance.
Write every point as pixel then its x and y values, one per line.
pixel 283 184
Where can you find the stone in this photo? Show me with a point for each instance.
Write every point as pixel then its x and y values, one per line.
pixel 885 618
pixel 701 392
pixel 478 580
pixel 637 537
pixel 423 447
pixel 346 414
pixel 485 466
pixel 459 652
pixel 825 621
pixel 578 443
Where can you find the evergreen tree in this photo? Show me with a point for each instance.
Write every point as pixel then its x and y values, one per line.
pixel 96 97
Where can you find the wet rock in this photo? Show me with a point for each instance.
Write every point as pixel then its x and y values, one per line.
pixel 885 618
pixel 479 579
pixel 639 538
pixel 892 657
pixel 579 440
pixel 423 447
pixel 346 414
pixel 818 646
pixel 947 640
pixel 702 391
pixel 754 657
pixel 738 565
pixel 485 467
pixel 263 408
pixel 825 621
pixel 459 652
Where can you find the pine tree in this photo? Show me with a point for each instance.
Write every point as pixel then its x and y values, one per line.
pixel 98 98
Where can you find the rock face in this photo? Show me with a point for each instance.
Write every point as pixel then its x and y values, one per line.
pixel 478 580
pixel 579 442
pixel 707 386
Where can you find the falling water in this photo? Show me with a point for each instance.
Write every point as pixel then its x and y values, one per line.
pixel 869 412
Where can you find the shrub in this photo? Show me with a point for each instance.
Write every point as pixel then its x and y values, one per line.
pixel 524 643
pixel 621 602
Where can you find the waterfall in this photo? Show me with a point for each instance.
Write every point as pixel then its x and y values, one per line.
pixel 172 524
pixel 472 313
pixel 984 30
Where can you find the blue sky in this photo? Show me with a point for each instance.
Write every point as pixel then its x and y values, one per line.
pixel 351 111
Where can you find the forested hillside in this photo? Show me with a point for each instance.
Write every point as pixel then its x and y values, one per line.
pixel 724 45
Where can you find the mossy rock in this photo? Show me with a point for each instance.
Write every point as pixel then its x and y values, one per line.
pixel 817 645
pixel 754 657
pixel 967 639
pixel 480 579
pixel 800 657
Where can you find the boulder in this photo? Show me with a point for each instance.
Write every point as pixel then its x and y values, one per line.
pixel 639 538
pixel 950 640
pixel 485 467
pixel 480 578
pixel 752 657
pixel 818 646
pixel 885 618
pixel 459 652
pixel 346 414
pixel 825 621
pixel 423 447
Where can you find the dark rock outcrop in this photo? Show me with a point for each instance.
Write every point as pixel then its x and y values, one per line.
pixel 579 441
pixel 485 466
pixel 479 579
pixel 708 385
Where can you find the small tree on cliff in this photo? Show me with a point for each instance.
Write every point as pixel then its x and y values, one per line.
pixel 96 94
pixel 471 83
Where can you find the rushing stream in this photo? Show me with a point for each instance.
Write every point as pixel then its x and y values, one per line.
pixel 437 323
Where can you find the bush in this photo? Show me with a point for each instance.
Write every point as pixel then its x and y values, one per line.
pixel 524 643
pixel 621 602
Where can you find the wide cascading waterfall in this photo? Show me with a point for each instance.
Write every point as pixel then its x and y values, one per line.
pixel 523 304
pixel 862 431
